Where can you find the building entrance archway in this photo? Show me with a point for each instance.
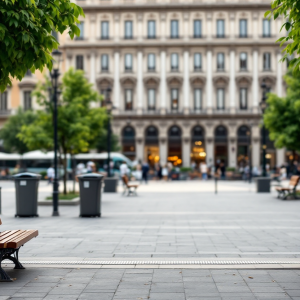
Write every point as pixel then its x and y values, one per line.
pixel 198 153
pixel 151 149
pixel 243 145
pixel 221 145
pixel 175 146
pixel 128 142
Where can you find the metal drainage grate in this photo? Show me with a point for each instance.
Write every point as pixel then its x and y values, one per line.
pixel 195 262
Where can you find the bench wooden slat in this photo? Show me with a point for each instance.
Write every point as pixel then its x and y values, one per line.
pixel 6 233
pixel 21 240
pixel 8 237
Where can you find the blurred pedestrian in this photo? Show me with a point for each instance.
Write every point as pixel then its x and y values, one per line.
pixel 124 170
pixel 165 172
pixel 50 174
pixel 80 168
pixel 203 170
pixel 145 171
pixel 90 165
pixel 170 170
pixel 223 170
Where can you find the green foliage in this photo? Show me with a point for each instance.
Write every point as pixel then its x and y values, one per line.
pixel 11 128
pixel 102 142
pixel 290 11
pixel 230 169
pixel 78 124
pixel 282 117
pixel 185 169
pixel 26 41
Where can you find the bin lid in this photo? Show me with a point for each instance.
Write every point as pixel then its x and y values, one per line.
pixel 91 175
pixel 27 175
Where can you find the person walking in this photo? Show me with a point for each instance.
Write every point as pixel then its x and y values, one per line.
pixel 203 170
pixel 165 172
pixel 145 170
pixel 50 174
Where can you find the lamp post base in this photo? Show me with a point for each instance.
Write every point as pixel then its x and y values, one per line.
pixel 55 214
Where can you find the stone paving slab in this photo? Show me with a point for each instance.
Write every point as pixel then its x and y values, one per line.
pixel 169 284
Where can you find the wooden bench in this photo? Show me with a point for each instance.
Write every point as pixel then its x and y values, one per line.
pixel 283 192
pixel 129 188
pixel 10 243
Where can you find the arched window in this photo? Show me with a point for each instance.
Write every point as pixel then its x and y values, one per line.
pixel 128 132
pixel 151 135
pixel 221 134
pixel 243 134
pixel 197 132
pixel 175 131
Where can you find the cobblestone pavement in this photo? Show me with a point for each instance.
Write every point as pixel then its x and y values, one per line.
pixel 166 221
pixel 171 284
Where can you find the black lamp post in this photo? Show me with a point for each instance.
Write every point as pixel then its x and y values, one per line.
pixel 263 106
pixel 54 76
pixel 109 107
pixel 249 153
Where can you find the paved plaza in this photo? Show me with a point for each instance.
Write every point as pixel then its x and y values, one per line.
pixel 166 222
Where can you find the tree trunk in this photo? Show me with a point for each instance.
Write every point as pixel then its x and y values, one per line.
pixel 65 172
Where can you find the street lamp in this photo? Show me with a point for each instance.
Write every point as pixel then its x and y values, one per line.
pixel 249 151
pixel 109 108
pixel 56 54
pixel 263 106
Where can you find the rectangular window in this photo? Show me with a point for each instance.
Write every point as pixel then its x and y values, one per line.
pixel 55 34
pixel 174 29
pixel 220 28
pixel 288 59
pixel 243 28
pixel 151 62
pixel 104 62
pixel 197 29
pixel 151 30
pixel 197 61
pixel 128 30
pixel 27 100
pixel 220 61
pixel 79 62
pixel 81 28
pixel 128 62
pixel 174 99
pixel 174 62
pixel 28 73
pixel 266 28
pixel 220 99
pixel 105 30
pixel 243 61
pixel 243 98
pixel 197 99
pixel 267 61
pixel 3 101
pixel 151 99
pixel 128 99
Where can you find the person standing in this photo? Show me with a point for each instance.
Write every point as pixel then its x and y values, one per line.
pixel 124 169
pixel 165 172
pixel 203 170
pixel 223 170
pixel 50 174
pixel 145 170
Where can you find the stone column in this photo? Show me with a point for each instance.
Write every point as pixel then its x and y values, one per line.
pixel 255 143
pixel 186 152
pixel 232 25
pixel 163 150
pixel 209 32
pixel 255 30
pixel 280 157
pixel 92 33
pixel 140 27
pixel 117 80
pixel 232 81
pixel 255 81
pixel 93 69
pixel 186 85
pixel 140 82
pixel 186 18
pixel 139 148
pixel 163 26
pixel 163 83
pixel 209 83
pixel 232 152
pixel 210 151
pixel 117 27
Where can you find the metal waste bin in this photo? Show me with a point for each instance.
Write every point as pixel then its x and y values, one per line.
pixel 90 194
pixel 263 184
pixel 27 185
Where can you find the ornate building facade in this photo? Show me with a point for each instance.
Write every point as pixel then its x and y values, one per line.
pixel 185 75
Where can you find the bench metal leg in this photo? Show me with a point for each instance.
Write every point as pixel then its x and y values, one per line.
pixel 12 255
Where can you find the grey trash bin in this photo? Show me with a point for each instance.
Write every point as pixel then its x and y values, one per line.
pixel 263 184
pixel 27 185
pixel 90 194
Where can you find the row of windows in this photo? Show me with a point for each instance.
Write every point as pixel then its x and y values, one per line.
pixel 174 29
pixel 220 99
pixel 151 62
pixel 26 97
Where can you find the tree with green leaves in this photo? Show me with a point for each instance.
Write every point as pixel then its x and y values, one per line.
pixel 282 116
pixel 78 123
pixel 101 145
pixel 11 129
pixel 26 40
pixel 290 11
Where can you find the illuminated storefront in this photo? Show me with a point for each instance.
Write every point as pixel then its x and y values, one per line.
pixel 243 141
pixel 128 142
pixel 198 153
pixel 174 146
pixel 151 145
pixel 221 145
